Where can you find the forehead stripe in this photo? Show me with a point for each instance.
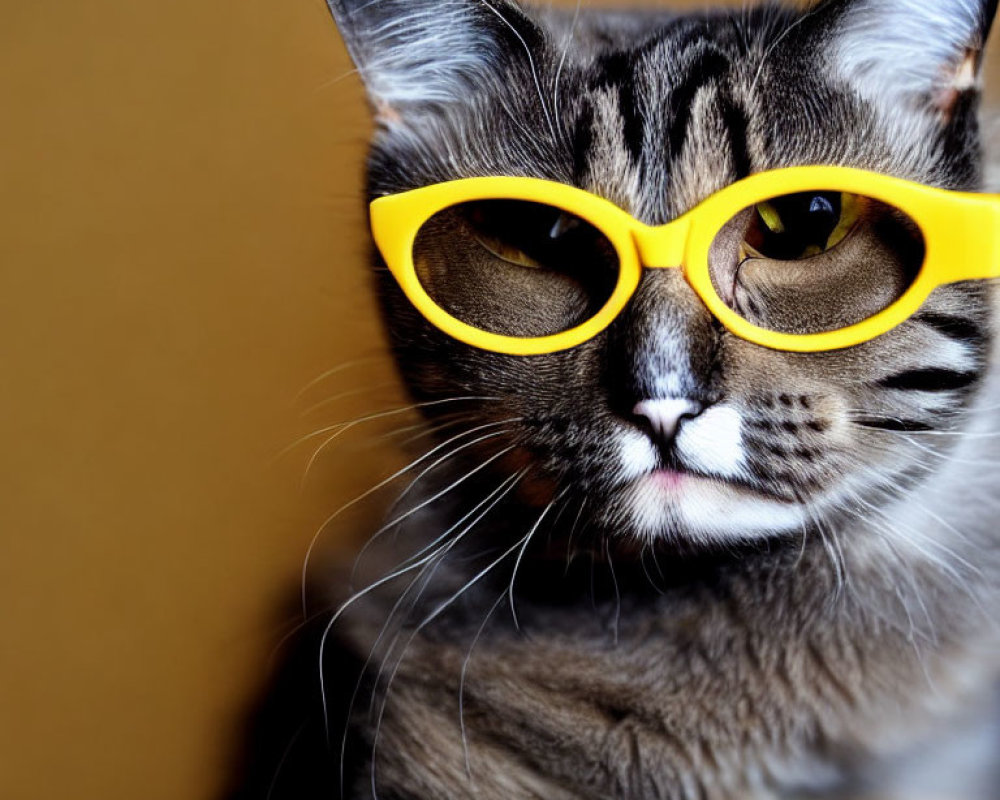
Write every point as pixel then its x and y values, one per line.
pixel 617 70
pixel 736 123
pixel 705 69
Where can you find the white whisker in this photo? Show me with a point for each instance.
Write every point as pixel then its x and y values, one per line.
pixel 365 495
pixel 461 687
pixel 440 609
pixel 403 517
pixel 345 394
pixel 284 758
pixel 531 63
pixel 562 63
pixel 335 371
pixel 618 595
pixel 438 495
pixel 773 46
pixel 424 430
pixel 344 428
pixel 520 555
pixel 340 611
pixel 491 501
pixel 380 415
pixel 504 489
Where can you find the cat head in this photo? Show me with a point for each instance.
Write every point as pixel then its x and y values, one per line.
pixel 666 427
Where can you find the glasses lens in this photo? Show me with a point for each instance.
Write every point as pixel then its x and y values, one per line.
pixel 514 267
pixel 815 261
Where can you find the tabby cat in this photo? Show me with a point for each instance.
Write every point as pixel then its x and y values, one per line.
pixel 667 562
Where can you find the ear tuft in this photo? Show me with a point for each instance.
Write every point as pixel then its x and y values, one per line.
pixel 958 82
pixel 924 51
pixel 417 51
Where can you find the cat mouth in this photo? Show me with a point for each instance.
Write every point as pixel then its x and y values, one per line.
pixel 676 480
pixel 670 503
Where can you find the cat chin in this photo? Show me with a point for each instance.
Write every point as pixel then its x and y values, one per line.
pixel 665 504
pixel 670 504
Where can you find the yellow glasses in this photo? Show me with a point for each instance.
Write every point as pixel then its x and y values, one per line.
pixel 801 259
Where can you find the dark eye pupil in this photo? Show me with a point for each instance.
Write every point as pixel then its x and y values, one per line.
pixel 530 227
pixel 796 225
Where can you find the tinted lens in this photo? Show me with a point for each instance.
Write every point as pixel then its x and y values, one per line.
pixel 514 267
pixel 815 261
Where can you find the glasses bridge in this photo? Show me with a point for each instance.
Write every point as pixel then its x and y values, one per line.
pixel 663 246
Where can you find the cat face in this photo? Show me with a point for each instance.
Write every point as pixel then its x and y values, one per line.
pixel 666 427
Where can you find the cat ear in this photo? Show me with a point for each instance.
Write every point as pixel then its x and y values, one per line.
pixel 928 52
pixel 419 52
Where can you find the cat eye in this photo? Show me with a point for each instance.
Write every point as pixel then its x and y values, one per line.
pixel 817 261
pixel 796 226
pixel 802 259
pixel 514 267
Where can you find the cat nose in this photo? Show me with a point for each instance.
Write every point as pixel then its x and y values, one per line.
pixel 664 416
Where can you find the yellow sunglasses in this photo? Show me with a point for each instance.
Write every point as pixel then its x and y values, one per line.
pixel 802 259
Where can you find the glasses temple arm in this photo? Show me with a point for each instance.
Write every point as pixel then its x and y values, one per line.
pixel 971 238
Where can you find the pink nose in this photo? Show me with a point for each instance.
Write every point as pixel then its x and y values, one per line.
pixel 665 415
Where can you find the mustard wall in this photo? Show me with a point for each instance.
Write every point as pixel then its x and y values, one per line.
pixel 181 254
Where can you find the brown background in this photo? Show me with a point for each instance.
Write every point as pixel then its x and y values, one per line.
pixel 180 246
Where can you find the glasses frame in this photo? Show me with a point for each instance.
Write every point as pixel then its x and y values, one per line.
pixel 961 232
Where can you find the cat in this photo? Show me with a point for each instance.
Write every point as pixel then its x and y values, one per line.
pixel 545 619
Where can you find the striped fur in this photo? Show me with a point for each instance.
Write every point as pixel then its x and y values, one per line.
pixel 812 613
